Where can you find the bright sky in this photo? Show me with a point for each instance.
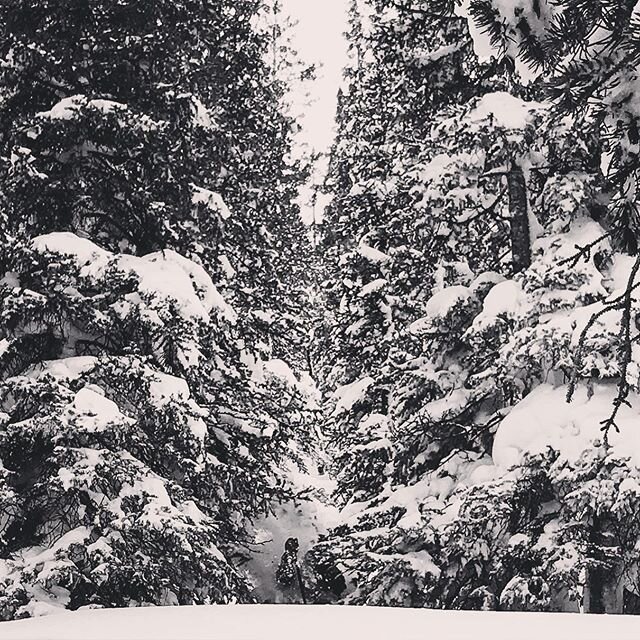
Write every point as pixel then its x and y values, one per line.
pixel 319 38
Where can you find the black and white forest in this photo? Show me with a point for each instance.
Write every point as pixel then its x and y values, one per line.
pixel 424 396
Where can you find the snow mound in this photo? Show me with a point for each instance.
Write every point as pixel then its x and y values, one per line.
pixel 545 419
pixel 164 275
pixel 290 622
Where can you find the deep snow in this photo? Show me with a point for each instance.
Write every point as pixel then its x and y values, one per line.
pixel 284 622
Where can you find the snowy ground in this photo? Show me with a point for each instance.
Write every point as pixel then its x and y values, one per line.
pixel 284 622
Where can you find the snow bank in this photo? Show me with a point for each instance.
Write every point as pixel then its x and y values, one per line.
pixel 293 622
pixel 545 419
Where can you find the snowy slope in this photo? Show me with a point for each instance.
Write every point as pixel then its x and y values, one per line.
pixel 284 622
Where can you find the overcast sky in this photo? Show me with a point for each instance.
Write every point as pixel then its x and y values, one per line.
pixel 319 38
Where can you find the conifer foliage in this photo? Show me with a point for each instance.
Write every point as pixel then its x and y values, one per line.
pixel 475 338
pixel 404 67
pixel 144 421
pixel 491 456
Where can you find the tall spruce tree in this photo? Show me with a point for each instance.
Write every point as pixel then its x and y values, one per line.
pixel 144 152
pixel 404 67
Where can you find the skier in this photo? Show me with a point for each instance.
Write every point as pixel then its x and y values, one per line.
pixel 288 577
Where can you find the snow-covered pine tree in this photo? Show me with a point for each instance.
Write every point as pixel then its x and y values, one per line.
pixel 118 482
pixel 402 220
pixel 282 308
pixel 404 66
pixel 464 527
pixel 448 532
pixel 533 506
pixel 189 91
pixel 141 427
pixel 574 551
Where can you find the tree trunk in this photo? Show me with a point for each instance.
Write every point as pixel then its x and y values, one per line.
pixel 604 588
pixel 604 591
pixel 519 210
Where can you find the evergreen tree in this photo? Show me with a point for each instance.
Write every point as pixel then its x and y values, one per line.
pixel 474 518
pixel 587 54
pixel 480 512
pixel 405 66
pixel 145 423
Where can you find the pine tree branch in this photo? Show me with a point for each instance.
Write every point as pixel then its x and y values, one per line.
pixel 627 353
pixel 583 251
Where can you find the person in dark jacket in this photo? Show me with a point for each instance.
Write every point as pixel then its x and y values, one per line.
pixel 288 578
pixel 317 581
